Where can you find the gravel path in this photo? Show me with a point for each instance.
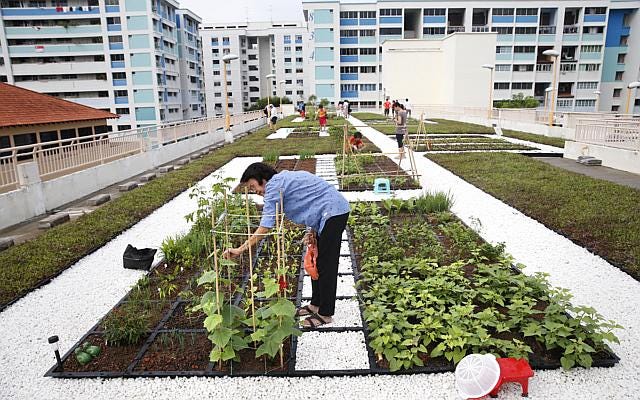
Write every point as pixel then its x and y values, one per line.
pixel 75 300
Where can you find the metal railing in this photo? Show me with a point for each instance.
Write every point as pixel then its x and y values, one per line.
pixel 618 133
pixel 61 157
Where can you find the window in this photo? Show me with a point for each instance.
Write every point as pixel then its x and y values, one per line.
pixel 368 51
pixel 119 75
pixel 529 30
pixel 589 67
pixel 287 70
pixel 298 38
pixel 288 92
pixel 299 71
pixel 120 93
pixel 623 40
pixel 503 11
pixel 367 14
pixel 621 58
pixel 299 60
pixel 523 68
pixel 503 49
pixel 122 111
pixel 526 11
pixel 217 84
pixel 349 52
pixel 287 38
pixel 287 59
pixel 502 30
pixel 214 41
pixel 615 108
pixel 585 103
pixel 288 82
pixel 367 32
pixel 368 87
pixel 617 92
pixel 390 11
pixel 299 82
pixel 117 57
pixel 587 85
pixel 501 85
pixel 287 49
pixel 348 70
pixel 434 11
pixel 565 103
pixel 626 20
pixel 521 85
pixel 619 75
pixel 433 31
pixel 595 10
pixel 368 70
pixel 298 48
pixel 591 48
pixel 348 87
pixel 348 14
pixel 348 32
pixel 503 67
pixel 524 49
pixel 390 31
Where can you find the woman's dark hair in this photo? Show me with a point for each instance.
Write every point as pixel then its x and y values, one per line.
pixel 357 135
pixel 321 106
pixel 401 106
pixel 258 171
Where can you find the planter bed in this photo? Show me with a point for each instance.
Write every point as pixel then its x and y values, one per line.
pixel 441 126
pixel 378 166
pixel 433 291
pixel 435 147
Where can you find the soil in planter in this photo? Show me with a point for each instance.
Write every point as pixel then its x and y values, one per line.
pixel 383 167
pixel 308 164
pixel 183 319
pixel 177 351
pixel 111 358
pixel 250 364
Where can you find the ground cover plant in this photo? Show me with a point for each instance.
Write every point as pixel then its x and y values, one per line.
pixel 433 291
pixel 32 264
pixel 368 116
pixel 441 126
pixel 361 170
pixel 436 147
pixel 532 137
pixel 200 312
pixel 599 215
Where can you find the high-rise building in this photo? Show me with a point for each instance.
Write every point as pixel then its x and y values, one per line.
pixel 263 48
pixel 594 39
pixel 191 71
pixel 119 56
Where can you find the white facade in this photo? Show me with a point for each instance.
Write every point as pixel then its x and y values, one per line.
pixel 595 39
pixel 263 48
pixel 191 71
pixel 431 71
pixel 109 54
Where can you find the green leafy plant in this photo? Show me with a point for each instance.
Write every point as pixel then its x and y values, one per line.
pixel 126 325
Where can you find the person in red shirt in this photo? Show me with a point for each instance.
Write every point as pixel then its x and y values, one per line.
pixel 355 141
pixel 322 117
pixel 387 106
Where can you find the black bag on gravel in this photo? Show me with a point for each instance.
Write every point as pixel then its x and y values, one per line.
pixel 138 258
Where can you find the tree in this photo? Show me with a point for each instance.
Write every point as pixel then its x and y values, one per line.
pixel 262 103
pixel 312 99
pixel 518 101
pixel 324 102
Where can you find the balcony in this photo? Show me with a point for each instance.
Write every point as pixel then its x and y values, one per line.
pixel 49 11
pixel 504 56
pixel 348 21
pixel 48 31
pixel 368 21
pixel 56 49
pixel 66 85
pixel 502 19
pixel 349 40
pixel 525 38
pixel 592 37
pixel 349 94
pixel 116 46
pixel 113 9
pixel 590 56
pixel 568 67
pixel 524 56
pixel 528 19
pixel 349 77
pixel 547 38
pixel 505 38
pixel 298 41
pixel 368 58
pixel 348 58
pixel 114 27
pixel 453 29
pixel 122 100
pixel 544 67
pixel 119 82
pixel 434 19
pixel 390 20
pixel 368 40
pixel 595 18
pixel 59 68
pixel 570 37
pixel 480 28
pixel 117 64
pixel 225 43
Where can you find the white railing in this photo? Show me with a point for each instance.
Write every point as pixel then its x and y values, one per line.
pixel 61 157
pixel 622 134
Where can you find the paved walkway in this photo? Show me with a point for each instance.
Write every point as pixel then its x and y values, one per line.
pixel 605 173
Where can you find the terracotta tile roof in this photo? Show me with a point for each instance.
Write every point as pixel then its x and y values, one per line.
pixel 20 106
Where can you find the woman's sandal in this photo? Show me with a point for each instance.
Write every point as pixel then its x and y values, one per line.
pixel 314 321
pixel 304 311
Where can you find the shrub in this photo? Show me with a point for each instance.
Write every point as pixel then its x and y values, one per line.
pixel 126 325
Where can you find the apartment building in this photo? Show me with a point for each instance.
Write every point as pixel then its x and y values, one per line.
pixel 594 38
pixel 263 48
pixel 115 55
pixel 190 58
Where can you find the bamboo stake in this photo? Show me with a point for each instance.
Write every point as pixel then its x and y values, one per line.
pixel 344 145
pixel 215 261
pixel 253 304
pixel 281 240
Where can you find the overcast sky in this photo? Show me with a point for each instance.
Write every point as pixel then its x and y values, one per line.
pixel 241 10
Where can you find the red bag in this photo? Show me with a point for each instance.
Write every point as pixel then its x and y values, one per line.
pixel 310 262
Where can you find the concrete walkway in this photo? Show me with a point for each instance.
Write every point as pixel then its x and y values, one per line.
pixel 605 173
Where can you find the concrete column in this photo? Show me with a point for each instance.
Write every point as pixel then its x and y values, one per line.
pixel 29 179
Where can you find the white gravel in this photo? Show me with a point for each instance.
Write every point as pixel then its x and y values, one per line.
pixel 345 266
pixel 281 133
pixel 344 248
pixel 347 315
pixel 345 287
pixel 331 351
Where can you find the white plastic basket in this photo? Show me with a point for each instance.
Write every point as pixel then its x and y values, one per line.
pixel 477 375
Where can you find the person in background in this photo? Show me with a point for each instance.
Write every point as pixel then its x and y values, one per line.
pixel 273 117
pixel 355 141
pixel 346 109
pixel 407 107
pixel 401 128
pixel 339 109
pixel 309 200
pixel 387 106
pixel 322 117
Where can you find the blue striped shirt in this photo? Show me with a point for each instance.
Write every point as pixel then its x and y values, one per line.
pixel 307 199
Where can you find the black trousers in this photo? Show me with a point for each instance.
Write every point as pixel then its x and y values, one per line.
pixel 323 290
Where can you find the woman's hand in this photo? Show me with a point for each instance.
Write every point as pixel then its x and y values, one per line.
pixel 309 238
pixel 232 253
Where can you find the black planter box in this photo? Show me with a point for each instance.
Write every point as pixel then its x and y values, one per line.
pixel 138 258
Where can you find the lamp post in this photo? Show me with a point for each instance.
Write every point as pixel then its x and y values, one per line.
pixel 282 82
pixel 546 95
pixel 555 54
pixel 269 78
pixel 53 341
pixel 630 87
pixel 227 119
pixel 490 68
pixel 597 93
